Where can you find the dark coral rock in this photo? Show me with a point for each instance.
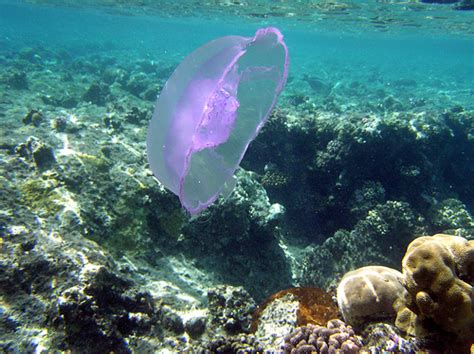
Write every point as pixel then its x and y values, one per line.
pixel 59 124
pixel 30 275
pixel 63 100
pixel 298 99
pixel 274 179
pixel 165 71
pixel 333 157
pixel 137 84
pixel 111 121
pixel 239 225
pixel 151 94
pixel 232 308
pixel 148 66
pixel 195 326
pixel 111 75
pixel 392 104
pixel 29 54
pixel 41 154
pixel 137 116
pixel 172 321
pixel 391 223
pixel 84 328
pixel 18 80
pixel 451 214
pixel 33 117
pixel 237 239
pixel 99 318
pixel 96 93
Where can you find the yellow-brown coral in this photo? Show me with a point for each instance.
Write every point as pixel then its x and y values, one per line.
pixel 438 275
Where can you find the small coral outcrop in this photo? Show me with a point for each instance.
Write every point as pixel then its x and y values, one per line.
pixel 315 306
pixel 433 299
pixel 335 337
pixel 288 309
pixel 439 276
pixel 368 294
pixel 231 307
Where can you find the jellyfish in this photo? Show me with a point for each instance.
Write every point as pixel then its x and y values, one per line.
pixel 210 109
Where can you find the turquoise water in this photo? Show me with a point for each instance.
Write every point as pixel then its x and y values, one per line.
pixel 440 59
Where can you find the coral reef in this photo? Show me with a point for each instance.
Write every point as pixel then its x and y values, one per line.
pixel 335 155
pixel 195 327
pixel 391 223
pixel 96 256
pixel 17 80
pixel 432 299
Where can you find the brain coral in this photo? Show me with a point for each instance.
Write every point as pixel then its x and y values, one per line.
pixel 438 275
pixel 368 294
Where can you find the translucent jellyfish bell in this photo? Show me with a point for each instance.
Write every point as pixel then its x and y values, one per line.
pixel 209 111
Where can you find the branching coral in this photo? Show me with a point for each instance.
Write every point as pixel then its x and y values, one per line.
pixel 335 337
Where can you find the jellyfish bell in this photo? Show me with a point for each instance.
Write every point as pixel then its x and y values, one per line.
pixel 210 109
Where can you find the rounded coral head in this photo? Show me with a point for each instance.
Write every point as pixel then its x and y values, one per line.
pixel 210 110
pixel 368 294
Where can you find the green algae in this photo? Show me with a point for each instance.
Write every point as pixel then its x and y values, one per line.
pixel 95 163
pixel 41 196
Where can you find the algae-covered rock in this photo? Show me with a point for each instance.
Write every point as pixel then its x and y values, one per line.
pixel 42 196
